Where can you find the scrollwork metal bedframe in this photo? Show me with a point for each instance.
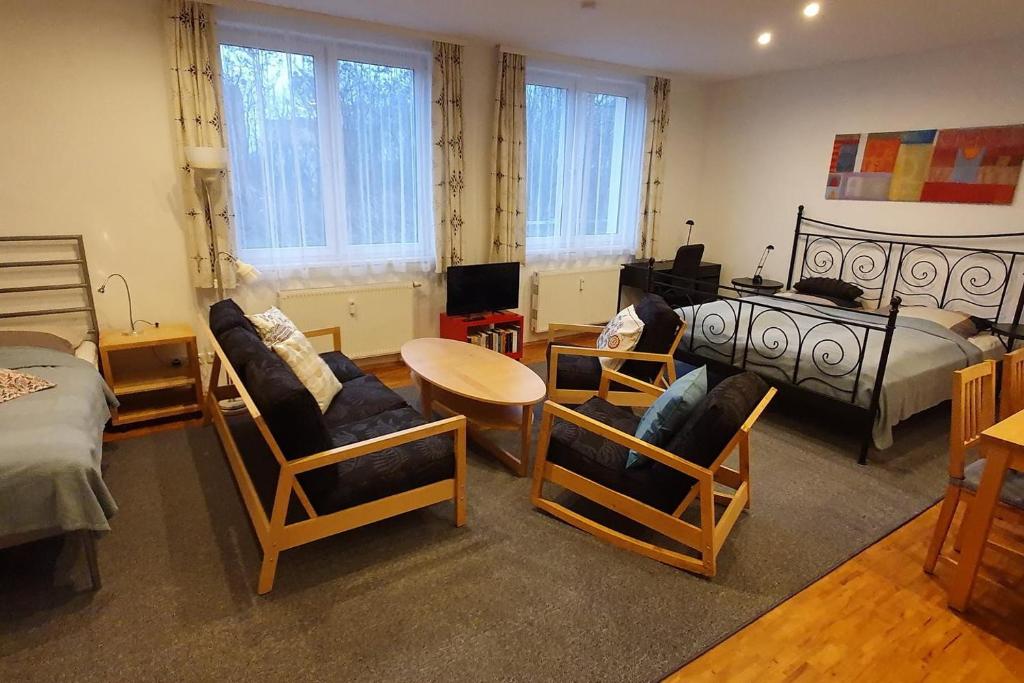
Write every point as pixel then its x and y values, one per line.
pixel 893 269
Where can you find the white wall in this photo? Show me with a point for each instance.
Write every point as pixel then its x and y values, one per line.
pixel 768 142
pixel 87 141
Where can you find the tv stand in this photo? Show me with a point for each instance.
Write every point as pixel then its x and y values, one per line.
pixel 501 331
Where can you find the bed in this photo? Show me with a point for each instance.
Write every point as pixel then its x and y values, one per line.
pixel 50 455
pixel 884 362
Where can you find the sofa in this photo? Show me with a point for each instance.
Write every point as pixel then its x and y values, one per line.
pixel 303 474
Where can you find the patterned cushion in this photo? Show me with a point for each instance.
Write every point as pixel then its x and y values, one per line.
pixel 386 472
pixel 620 334
pixel 361 398
pixel 14 384
pixel 604 461
pixel 242 346
pixel 288 408
pixel 225 315
pixel 280 333
pixel 1013 486
pixel 343 368
pixel 660 326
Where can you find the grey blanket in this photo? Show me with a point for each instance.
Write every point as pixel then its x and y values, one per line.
pixel 822 355
pixel 51 447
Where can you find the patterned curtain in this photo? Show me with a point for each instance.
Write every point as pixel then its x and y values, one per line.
pixel 508 186
pixel 446 125
pixel 196 102
pixel 654 142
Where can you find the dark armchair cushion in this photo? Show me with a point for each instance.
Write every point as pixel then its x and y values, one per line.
pixel 289 409
pixel 660 326
pixel 360 398
pixel 225 315
pixel 598 459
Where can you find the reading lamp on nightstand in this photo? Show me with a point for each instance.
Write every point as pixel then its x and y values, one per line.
pixel 208 162
pixel 131 314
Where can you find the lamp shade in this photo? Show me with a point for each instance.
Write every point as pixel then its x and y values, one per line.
pixel 207 158
pixel 247 272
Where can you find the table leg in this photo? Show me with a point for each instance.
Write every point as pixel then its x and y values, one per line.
pixel 977 524
pixel 524 446
pixel 426 399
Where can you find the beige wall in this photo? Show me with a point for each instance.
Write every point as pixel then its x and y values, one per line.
pixel 87 142
pixel 768 143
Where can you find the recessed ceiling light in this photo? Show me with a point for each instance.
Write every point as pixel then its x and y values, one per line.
pixel 764 38
pixel 812 9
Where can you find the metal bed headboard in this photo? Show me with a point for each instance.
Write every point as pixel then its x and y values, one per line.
pixel 82 283
pixel 925 270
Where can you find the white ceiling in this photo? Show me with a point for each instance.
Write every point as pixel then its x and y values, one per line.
pixel 707 38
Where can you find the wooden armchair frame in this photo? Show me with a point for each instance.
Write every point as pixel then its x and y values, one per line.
pixel 273 532
pixel 666 375
pixel 1011 391
pixel 707 538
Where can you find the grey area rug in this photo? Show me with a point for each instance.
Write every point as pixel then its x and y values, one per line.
pixel 513 595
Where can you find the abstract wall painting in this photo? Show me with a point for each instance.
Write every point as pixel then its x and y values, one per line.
pixel 958 165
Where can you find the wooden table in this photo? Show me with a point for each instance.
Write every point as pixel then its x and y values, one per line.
pixel 1002 445
pixel 491 390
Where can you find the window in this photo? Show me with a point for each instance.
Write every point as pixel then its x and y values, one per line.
pixel 584 139
pixel 329 148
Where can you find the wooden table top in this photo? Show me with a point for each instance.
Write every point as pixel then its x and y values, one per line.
pixel 147 336
pixel 473 371
pixel 1009 432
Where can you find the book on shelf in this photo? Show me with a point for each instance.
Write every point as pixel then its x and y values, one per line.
pixel 500 339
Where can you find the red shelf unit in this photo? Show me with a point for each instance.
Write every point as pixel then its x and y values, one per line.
pixel 459 327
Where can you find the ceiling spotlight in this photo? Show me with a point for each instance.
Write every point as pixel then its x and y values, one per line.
pixel 764 38
pixel 812 9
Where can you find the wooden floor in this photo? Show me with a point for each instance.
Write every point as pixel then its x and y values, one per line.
pixel 878 617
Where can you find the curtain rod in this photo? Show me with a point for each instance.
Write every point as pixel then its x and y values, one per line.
pixel 593 63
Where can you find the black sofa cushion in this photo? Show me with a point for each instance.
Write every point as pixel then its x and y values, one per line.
pixel 604 461
pixel 287 406
pixel 360 398
pixel 385 472
pixel 660 326
pixel 242 348
pixel 343 368
pixel 225 315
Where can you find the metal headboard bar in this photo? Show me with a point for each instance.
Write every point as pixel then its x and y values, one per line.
pixel 84 282
pixel 807 219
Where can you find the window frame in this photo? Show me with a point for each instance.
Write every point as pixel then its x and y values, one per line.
pixel 327 52
pixel 578 83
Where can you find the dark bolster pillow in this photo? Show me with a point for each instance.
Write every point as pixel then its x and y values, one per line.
pixel 660 326
pixel 830 288
pixel 225 315
pixel 289 409
pixel 242 348
pixel 712 424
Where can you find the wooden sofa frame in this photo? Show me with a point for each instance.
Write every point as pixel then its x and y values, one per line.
pixel 666 375
pixel 707 538
pixel 273 532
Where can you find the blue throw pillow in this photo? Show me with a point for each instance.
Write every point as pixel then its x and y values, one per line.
pixel 668 412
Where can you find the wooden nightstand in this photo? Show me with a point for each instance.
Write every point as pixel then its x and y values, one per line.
pixel 155 375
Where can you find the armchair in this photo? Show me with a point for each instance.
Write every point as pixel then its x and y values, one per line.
pixel 574 372
pixel 585 451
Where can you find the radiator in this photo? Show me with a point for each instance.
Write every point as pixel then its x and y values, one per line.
pixel 375 320
pixel 577 296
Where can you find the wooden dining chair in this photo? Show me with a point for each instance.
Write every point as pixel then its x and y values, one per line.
pixel 1011 393
pixel 973 411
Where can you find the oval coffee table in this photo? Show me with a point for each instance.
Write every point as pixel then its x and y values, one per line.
pixel 493 391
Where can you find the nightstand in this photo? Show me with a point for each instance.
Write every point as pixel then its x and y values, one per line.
pixel 155 376
pixel 746 285
pixel 1008 333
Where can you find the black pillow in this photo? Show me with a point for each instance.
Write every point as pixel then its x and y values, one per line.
pixel 831 288
pixel 660 326
pixel 711 425
pixel 226 314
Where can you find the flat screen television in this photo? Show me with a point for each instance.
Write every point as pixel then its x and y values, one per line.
pixel 482 288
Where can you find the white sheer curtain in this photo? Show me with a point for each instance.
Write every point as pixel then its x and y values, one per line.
pixel 584 142
pixel 330 152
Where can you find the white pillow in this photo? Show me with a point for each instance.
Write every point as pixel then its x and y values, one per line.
pixel 620 334
pixel 279 333
pixel 954 321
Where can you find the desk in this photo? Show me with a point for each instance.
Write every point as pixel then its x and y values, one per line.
pixel 1003 447
pixel 634 274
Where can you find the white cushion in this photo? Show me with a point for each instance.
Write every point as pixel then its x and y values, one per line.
pixel 279 333
pixel 954 321
pixel 620 334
